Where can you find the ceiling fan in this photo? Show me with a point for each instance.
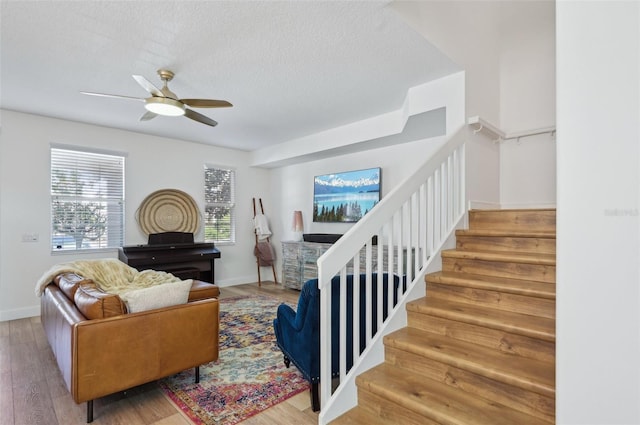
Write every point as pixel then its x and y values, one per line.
pixel 165 102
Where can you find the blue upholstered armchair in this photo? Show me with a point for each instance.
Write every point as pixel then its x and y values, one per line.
pixel 298 332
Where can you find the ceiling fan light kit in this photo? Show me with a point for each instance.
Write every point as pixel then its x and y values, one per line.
pixel 165 102
pixel 164 106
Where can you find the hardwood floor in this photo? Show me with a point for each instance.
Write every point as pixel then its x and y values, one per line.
pixel 32 391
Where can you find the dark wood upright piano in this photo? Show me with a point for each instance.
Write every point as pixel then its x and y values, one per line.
pixel 184 259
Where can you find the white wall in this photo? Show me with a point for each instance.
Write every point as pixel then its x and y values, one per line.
pixel 528 172
pixel 527 101
pixel 467 32
pixel 507 50
pixel 527 65
pixel 152 163
pixel 598 240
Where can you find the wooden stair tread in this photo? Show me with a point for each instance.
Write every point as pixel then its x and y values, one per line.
pixel 546 234
pixel 512 257
pixel 516 323
pixel 503 284
pixel 513 219
pixel 529 374
pixel 440 402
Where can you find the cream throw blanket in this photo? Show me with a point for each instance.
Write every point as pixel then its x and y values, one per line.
pixel 261 226
pixel 110 275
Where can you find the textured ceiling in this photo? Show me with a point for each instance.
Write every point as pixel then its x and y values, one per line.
pixel 290 68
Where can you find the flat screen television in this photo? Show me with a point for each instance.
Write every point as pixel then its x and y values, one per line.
pixel 345 197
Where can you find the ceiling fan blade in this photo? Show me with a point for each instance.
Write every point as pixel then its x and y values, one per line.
pixel 148 86
pixel 117 96
pixel 199 117
pixel 148 116
pixel 206 103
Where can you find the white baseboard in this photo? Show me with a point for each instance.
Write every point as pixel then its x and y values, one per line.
pixel 484 205
pixel 532 206
pixel 19 313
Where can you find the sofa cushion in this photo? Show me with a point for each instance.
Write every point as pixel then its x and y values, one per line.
pixel 68 283
pixel 96 304
pixel 157 296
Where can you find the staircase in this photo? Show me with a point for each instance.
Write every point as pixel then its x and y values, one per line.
pixel 480 347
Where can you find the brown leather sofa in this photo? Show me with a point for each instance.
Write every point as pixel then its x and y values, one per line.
pixel 101 349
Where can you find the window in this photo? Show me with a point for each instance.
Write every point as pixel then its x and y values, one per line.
pixel 219 210
pixel 87 200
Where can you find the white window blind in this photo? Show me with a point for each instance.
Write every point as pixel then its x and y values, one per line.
pixel 219 195
pixel 87 200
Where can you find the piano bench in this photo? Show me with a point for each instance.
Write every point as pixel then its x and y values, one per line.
pixel 185 273
pixel 202 290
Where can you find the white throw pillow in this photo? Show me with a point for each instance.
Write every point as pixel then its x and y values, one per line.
pixel 157 296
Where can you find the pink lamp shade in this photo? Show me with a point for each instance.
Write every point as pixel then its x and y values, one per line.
pixel 297 221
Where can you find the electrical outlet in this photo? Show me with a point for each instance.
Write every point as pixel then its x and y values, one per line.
pixel 30 237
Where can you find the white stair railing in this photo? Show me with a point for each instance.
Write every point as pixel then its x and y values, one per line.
pixel 410 224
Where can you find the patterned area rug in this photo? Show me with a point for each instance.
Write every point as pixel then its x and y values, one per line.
pixel 249 375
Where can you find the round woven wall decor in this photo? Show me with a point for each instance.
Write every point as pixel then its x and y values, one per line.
pixel 168 210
